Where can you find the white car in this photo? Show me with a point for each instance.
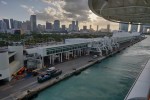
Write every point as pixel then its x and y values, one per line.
pixel 95 56
pixel 51 69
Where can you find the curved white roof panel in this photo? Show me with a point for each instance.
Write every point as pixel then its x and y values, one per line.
pixel 141 87
pixel 127 11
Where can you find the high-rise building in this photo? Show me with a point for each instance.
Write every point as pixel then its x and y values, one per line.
pixel 123 27
pixel 33 23
pixel 49 26
pixel 24 25
pixel 7 23
pixel 56 25
pixel 19 24
pixel 28 25
pixel 141 29
pixel 70 27
pixel 0 24
pixel 134 28
pixel 97 28
pixel 146 28
pixel 3 26
pixel 73 26
pixel 16 24
pixel 90 27
pixel 63 27
pixel 84 28
pixel 77 26
pixel 108 28
pixel 12 23
pixel 41 28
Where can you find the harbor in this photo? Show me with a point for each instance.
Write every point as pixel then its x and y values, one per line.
pixel 32 92
pixel 109 80
pixel 75 50
pixel 70 59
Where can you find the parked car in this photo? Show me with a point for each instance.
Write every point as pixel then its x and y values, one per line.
pixel 51 70
pixel 50 74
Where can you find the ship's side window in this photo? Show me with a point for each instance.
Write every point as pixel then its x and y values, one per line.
pixel 0 75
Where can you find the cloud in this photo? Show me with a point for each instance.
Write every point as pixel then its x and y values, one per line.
pixel 4 2
pixel 65 11
pixel 53 11
pixel 77 10
pixel 30 10
pixel 24 6
pixel 50 14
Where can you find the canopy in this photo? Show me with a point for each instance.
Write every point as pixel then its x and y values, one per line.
pixel 125 11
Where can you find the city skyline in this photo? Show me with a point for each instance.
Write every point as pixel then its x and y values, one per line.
pixel 50 10
pixel 30 25
pixel 11 26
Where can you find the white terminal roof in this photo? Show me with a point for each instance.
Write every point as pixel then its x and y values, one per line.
pixel 128 11
pixel 41 48
pixel 68 42
pixel 75 41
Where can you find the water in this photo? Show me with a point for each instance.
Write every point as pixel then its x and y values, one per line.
pixel 109 80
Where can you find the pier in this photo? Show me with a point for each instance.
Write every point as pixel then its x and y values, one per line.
pixel 69 69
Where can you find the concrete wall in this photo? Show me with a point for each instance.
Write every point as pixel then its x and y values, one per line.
pixel 19 53
pixel 6 68
pixel 14 66
pixel 4 65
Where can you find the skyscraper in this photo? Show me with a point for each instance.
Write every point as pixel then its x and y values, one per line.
pixel 63 27
pixel 90 27
pixel 134 28
pixel 70 27
pixel 84 28
pixel 73 26
pixel 41 28
pixel 33 23
pixel 141 29
pixel 108 28
pixel 15 24
pixel 12 23
pixel 77 26
pixel 0 24
pixel 97 28
pixel 19 24
pixel 7 23
pixel 3 26
pixel 56 25
pixel 123 27
pixel 49 26
pixel 28 25
pixel 24 25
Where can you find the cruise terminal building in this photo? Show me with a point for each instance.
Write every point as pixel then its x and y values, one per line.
pixel 13 58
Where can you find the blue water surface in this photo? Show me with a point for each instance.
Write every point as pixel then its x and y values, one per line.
pixel 109 80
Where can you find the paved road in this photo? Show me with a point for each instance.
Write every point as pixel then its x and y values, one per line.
pixel 8 91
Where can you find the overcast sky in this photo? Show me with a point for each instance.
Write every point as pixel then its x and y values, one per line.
pixel 50 10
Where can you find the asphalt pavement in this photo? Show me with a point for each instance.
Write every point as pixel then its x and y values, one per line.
pixel 13 88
